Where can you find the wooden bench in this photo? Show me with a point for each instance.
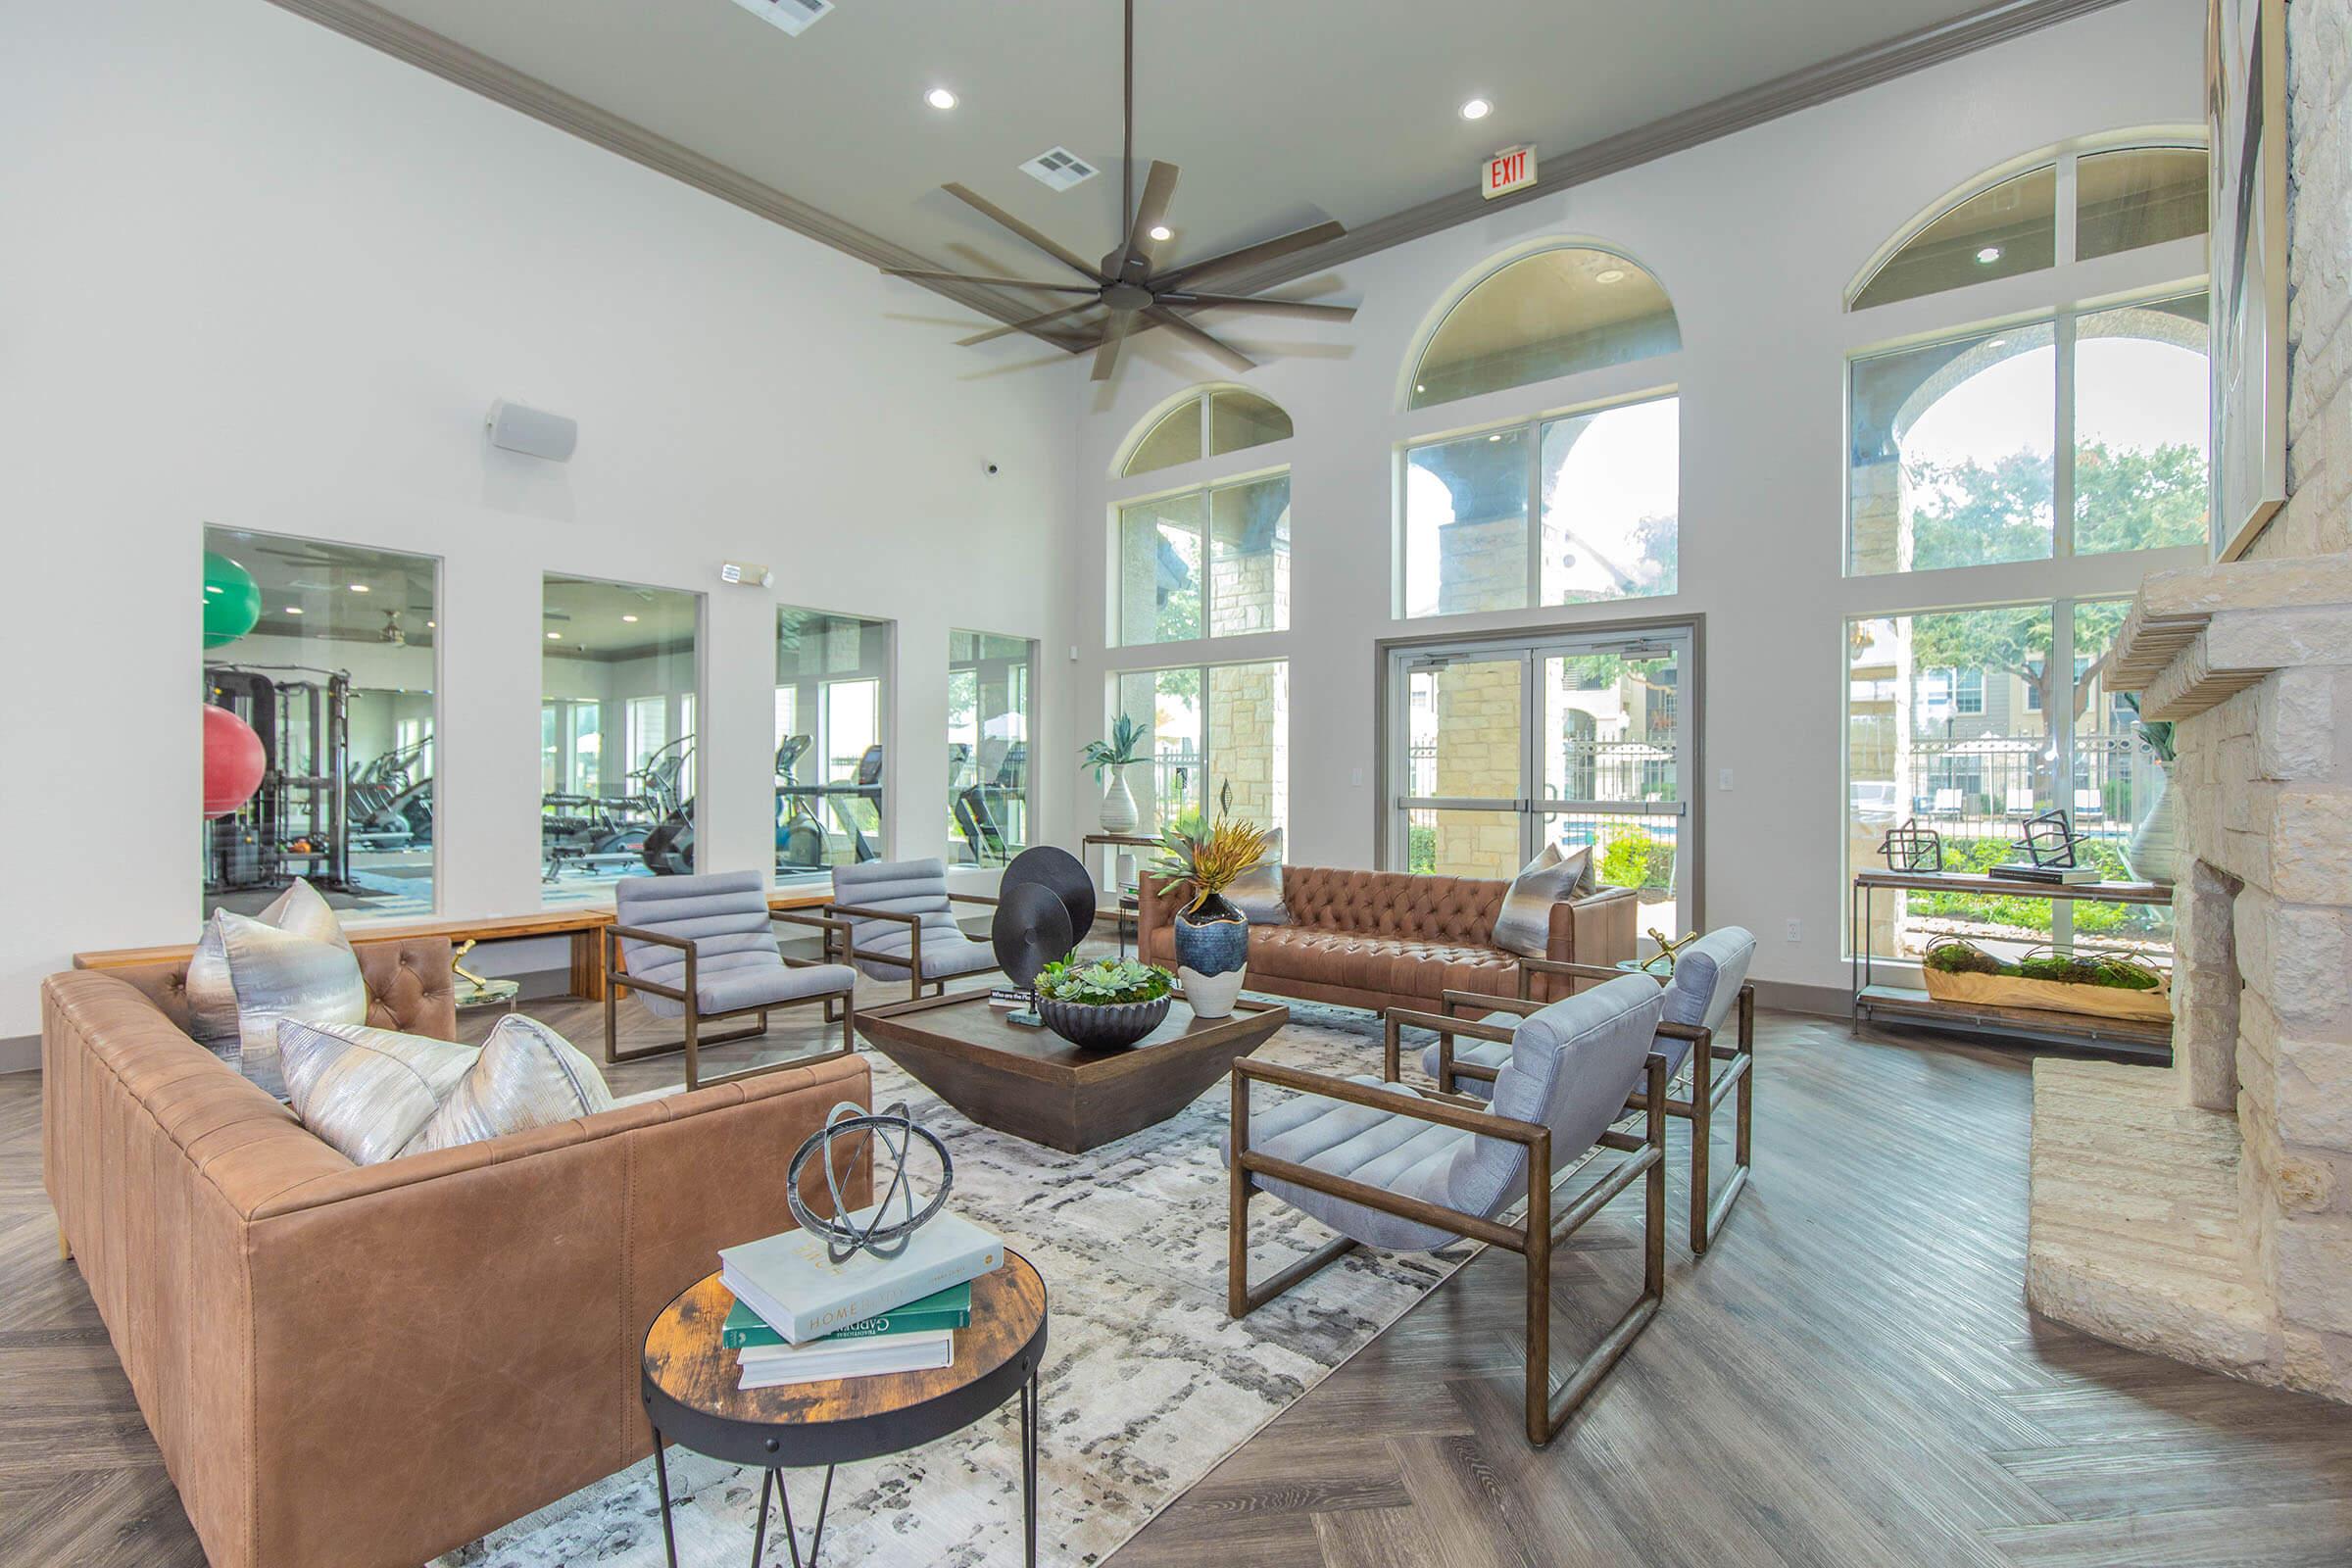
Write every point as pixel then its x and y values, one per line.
pixel 584 926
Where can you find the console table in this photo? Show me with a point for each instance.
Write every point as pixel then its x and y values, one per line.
pixel 2127 1035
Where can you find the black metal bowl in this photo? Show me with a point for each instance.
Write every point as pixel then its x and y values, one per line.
pixel 1094 1026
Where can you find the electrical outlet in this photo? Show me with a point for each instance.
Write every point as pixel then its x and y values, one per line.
pixel 1355 777
pixel 1797 930
pixel 1723 779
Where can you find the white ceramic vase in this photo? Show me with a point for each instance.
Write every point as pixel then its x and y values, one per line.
pixel 1119 804
pixel 2153 851
pixel 1210 996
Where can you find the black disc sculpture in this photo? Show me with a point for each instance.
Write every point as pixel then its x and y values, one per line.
pixel 1062 874
pixel 1031 930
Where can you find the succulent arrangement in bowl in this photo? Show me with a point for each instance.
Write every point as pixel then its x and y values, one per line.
pixel 1104 1005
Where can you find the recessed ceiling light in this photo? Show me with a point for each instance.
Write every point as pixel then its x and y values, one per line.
pixel 939 98
pixel 358 587
pixel 293 610
pixel 628 618
pixel 1476 109
pixel 555 636
pixel 431 625
pixel 1997 343
pixel 1496 436
pixel 1609 274
pixel 1420 386
pixel 1162 231
pixel 1988 255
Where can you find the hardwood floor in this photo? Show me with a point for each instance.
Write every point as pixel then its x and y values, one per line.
pixel 1849 1378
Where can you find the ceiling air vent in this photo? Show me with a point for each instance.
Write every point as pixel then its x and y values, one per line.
pixel 1058 166
pixel 793 16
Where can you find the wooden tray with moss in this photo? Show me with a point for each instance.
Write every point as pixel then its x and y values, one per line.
pixel 2103 985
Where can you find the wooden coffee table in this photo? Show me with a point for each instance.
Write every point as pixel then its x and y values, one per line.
pixel 1033 1084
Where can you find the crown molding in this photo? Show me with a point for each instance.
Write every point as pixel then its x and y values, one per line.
pixel 475 72
pixel 1798 90
pixel 1850 72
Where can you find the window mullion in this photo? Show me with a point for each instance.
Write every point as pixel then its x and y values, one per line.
pixel 1535 514
pixel 2062 454
pixel 1209 565
pixel 2058 726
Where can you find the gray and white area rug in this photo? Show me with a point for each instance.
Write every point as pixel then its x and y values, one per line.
pixel 1147 1383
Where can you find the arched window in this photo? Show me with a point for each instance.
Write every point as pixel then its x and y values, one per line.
pixel 2122 198
pixel 2074 432
pixel 1211 558
pixel 1561 310
pixel 1207 424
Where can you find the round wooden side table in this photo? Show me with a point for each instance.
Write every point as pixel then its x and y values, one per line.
pixel 691 1398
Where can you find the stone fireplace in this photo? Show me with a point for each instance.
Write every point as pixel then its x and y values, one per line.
pixel 2205 1211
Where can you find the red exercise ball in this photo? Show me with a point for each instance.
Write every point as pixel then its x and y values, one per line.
pixel 233 762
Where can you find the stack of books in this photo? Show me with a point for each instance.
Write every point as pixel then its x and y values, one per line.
pixel 801 1318
pixel 2071 876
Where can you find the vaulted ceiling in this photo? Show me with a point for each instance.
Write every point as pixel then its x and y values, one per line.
pixel 1278 114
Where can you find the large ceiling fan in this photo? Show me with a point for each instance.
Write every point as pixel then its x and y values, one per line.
pixel 1129 287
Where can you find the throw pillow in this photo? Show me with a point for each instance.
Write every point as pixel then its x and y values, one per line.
pixel 277 974
pixel 213 999
pixel 368 1092
pixel 1257 892
pixel 1523 925
pixel 526 1076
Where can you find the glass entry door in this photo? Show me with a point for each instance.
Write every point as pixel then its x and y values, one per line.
pixel 1575 739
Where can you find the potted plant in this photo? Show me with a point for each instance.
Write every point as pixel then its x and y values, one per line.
pixel 2107 985
pixel 1104 1005
pixel 1212 937
pixel 2153 852
pixel 1117 754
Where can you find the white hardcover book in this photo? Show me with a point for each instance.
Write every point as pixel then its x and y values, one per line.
pixel 770 1366
pixel 803 1296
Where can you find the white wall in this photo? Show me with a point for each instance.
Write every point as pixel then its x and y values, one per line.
pixel 260 275
pixel 1755 236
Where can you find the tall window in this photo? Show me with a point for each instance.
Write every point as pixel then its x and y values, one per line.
pixel 319 658
pixel 989 719
pixel 1556 313
pixel 2075 432
pixel 2084 433
pixel 1214 558
pixel 1217 734
pixel 1974 760
pixel 832 717
pixel 1603 486
pixel 617 675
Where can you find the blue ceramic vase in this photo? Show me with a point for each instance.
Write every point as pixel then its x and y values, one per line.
pixel 1212 955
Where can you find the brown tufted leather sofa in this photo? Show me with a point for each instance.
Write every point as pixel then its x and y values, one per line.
pixel 1390 939
pixel 370 1365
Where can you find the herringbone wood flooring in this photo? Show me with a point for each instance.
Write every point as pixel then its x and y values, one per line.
pixel 1849 1378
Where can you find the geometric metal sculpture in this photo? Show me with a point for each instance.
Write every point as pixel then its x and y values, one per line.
pixel 1912 848
pixel 879 1235
pixel 2049 841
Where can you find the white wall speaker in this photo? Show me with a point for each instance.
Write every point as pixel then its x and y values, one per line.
pixel 535 433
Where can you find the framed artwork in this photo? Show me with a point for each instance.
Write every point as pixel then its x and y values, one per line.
pixel 2245 106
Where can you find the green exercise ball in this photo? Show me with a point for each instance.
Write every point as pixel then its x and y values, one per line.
pixel 232 600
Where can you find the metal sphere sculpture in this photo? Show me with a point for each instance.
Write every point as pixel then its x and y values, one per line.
pixel 877 1232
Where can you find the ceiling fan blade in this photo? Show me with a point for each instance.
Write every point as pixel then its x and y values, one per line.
pixel 1232 358
pixel 1251 302
pixel 1030 325
pixel 924 275
pixel 1114 338
pixel 1301 239
pixel 1159 188
pixel 982 205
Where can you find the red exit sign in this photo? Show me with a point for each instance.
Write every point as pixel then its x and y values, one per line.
pixel 1509 171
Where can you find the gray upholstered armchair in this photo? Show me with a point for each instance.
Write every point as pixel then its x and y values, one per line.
pixel 1709 985
pixel 704 949
pixel 902 919
pixel 1388 1167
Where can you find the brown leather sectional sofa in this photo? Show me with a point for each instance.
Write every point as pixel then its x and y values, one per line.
pixel 1390 939
pixel 368 1366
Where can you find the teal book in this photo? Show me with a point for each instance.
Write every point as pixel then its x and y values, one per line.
pixel 803 1295
pixel 950 1309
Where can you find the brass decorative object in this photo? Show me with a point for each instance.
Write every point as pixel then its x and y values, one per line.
pixel 1668 947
